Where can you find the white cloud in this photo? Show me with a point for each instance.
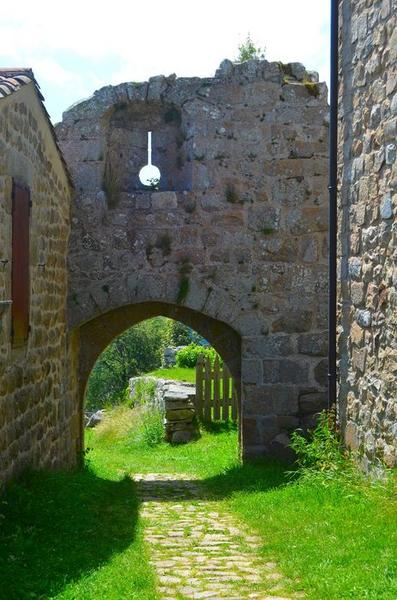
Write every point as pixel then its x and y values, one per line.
pixel 148 38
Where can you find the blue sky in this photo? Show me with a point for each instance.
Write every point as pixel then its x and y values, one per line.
pixel 78 46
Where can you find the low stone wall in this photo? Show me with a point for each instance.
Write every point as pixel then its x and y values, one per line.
pixel 176 400
pixel 181 423
pixel 161 387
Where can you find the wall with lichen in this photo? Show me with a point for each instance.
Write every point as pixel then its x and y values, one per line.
pixel 232 241
pixel 38 412
pixel 367 229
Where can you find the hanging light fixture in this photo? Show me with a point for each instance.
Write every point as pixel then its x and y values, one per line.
pixel 149 175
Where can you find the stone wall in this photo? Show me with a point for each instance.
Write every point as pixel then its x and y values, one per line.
pixel 233 242
pixel 36 400
pixel 367 226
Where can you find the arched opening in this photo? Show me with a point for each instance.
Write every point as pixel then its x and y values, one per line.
pixel 125 129
pixel 95 335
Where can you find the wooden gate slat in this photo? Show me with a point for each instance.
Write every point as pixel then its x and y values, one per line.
pixel 207 390
pixel 216 396
pixel 233 397
pixel 217 385
pixel 199 388
pixel 225 400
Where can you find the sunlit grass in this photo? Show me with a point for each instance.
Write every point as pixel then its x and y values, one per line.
pixel 78 535
pixel 177 373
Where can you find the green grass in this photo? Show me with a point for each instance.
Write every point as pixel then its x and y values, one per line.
pixel 178 373
pixel 78 536
pixel 72 536
pixel 337 541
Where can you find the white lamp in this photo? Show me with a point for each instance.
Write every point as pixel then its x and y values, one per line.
pixel 149 175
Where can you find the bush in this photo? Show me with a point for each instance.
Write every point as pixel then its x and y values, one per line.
pixel 152 426
pixel 187 357
pixel 182 335
pixel 137 350
pixel 320 455
pixel 144 392
pixel 249 49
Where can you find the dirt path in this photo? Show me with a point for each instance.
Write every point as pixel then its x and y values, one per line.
pixel 197 549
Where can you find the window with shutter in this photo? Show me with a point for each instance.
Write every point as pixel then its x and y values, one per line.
pixel 20 280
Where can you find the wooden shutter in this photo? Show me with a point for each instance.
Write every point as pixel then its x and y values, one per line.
pixel 20 280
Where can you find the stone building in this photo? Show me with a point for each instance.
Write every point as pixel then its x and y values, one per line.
pixel 36 408
pixel 368 228
pixel 233 241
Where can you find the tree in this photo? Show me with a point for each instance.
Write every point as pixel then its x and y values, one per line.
pixel 137 350
pixel 248 50
pixel 183 335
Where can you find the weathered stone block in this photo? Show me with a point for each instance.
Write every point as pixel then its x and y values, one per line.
pixel 285 371
pixel 164 201
pixel 313 344
pixel 295 321
pixel 312 402
pixel 252 371
pixel 321 372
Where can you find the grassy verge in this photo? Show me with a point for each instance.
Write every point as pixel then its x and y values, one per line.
pixel 78 535
pixel 337 538
pixel 118 446
pixel 177 373
pixel 72 536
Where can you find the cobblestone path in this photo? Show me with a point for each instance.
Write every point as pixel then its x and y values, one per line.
pixel 197 549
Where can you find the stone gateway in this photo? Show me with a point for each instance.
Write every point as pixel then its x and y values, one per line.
pixel 232 241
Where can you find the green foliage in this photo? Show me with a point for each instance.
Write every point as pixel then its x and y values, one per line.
pixel 141 425
pixel 231 195
pixel 177 373
pixel 73 535
pixel 144 393
pixel 187 357
pixel 152 426
pixel 77 535
pixel 136 351
pixel 183 290
pixel 267 230
pixel 182 335
pixel 320 455
pixel 312 87
pixel 249 49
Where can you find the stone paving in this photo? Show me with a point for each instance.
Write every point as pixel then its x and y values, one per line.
pixel 197 549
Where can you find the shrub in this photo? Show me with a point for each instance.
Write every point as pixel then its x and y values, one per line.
pixel 320 454
pixel 152 426
pixel 137 350
pixel 249 49
pixel 144 392
pixel 187 357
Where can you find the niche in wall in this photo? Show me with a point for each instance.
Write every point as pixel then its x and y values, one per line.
pixel 126 128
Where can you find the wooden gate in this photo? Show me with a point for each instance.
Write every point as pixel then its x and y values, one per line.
pixel 216 396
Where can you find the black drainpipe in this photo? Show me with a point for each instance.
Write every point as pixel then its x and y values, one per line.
pixel 332 208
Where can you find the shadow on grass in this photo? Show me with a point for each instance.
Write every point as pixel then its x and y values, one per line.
pixel 219 426
pixel 56 527
pixel 253 476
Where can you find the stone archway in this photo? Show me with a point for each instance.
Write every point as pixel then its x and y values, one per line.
pixel 236 235
pixel 93 337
